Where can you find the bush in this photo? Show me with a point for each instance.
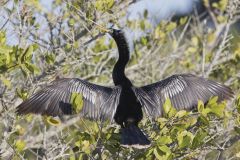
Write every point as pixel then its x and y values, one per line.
pixel 37 45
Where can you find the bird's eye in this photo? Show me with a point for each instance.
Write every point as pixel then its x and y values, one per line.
pixel 119 32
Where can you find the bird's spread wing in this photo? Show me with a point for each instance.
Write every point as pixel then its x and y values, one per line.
pixel 184 91
pixel 99 102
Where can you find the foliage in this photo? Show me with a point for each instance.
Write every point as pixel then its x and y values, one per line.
pixel 37 45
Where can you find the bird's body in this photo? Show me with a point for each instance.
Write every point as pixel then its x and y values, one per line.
pixel 124 103
pixel 129 109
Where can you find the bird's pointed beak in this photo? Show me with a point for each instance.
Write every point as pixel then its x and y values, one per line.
pixel 103 29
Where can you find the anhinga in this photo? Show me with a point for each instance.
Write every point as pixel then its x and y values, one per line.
pixel 124 102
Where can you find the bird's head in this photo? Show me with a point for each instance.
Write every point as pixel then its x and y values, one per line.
pixel 115 32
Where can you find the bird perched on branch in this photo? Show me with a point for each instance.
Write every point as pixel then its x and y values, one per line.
pixel 124 102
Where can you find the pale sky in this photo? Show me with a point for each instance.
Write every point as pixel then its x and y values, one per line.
pixel 157 11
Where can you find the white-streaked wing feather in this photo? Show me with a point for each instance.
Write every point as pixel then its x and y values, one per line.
pixel 183 90
pixel 99 102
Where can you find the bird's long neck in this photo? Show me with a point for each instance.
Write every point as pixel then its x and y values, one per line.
pixel 119 77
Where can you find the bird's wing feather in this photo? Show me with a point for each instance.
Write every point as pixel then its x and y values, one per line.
pixel 183 90
pixel 99 102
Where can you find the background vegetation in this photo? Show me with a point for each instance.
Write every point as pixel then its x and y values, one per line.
pixel 38 44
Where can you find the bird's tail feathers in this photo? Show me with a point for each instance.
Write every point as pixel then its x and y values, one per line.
pixel 132 136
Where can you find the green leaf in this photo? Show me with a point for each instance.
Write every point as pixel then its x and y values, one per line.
pixel 86 147
pixel 68 47
pixel 35 47
pixel 29 52
pixel 171 26
pixel 218 110
pixel 167 105
pixel 32 68
pixel 214 107
pixel 6 82
pixel 71 22
pixel 2 38
pixel 22 93
pixel 149 152
pixel 184 139
pixel 72 155
pixel 203 120
pixel 183 20
pixel 78 143
pixel 53 121
pixel 145 14
pixel 104 5
pixel 198 138
pixel 26 54
pixel 206 111
pixel 20 130
pixel 20 145
pixel 162 122
pixel 164 140
pixel 29 117
pixel 50 58
pixel 157 155
pixel 105 155
pixel 200 106
pixel 5 49
pixel 212 101
pixel 162 152
pixel 8 58
pixel 169 110
pixel 172 112
pixel 181 114
pixel 237 103
pixel 191 121
pixel 165 149
pixel 24 70
pixel 77 101
pixel 142 24
pixel 144 40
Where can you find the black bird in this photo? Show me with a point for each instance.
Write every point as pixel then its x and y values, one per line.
pixel 124 102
